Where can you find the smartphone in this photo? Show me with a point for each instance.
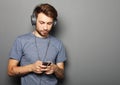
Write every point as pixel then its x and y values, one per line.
pixel 46 63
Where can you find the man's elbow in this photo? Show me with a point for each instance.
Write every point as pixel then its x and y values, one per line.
pixel 10 73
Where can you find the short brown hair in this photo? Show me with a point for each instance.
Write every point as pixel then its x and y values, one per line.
pixel 47 9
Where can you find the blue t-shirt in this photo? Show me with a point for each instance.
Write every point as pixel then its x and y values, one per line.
pixel 28 48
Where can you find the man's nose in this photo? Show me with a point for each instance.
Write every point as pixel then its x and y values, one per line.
pixel 45 26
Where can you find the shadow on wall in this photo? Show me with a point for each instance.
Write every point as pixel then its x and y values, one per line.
pixel 15 80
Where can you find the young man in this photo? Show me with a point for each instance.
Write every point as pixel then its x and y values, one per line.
pixel 38 57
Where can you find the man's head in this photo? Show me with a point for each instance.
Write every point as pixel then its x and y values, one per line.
pixel 47 9
pixel 44 17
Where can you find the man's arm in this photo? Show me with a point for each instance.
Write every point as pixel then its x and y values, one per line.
pixel 57 69
pixel 14 69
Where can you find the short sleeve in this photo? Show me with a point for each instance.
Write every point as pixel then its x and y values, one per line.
pixel 61 57
pixel 16 50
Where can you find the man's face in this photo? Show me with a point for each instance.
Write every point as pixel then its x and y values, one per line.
pixel 43 24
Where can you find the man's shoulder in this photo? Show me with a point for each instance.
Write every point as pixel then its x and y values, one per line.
pixel 25 36
pixel 56 42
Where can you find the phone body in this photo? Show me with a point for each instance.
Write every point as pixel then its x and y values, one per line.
pixel 46 63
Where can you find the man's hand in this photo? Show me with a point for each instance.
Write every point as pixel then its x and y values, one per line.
pixel 50 69
pixel 38 68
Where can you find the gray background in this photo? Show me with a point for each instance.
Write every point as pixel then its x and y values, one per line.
pixel 89 30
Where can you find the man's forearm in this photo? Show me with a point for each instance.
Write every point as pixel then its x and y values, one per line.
pixel 59 72
pixel 20 70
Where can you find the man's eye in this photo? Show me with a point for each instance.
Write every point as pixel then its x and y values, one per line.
pixel 50 23
pixel 41 22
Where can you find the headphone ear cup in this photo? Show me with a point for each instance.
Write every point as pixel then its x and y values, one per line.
pixel 33 19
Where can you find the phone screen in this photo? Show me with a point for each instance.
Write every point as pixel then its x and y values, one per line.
pixel 46 63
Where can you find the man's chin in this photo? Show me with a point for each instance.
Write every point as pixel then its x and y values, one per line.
pixel 44 35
